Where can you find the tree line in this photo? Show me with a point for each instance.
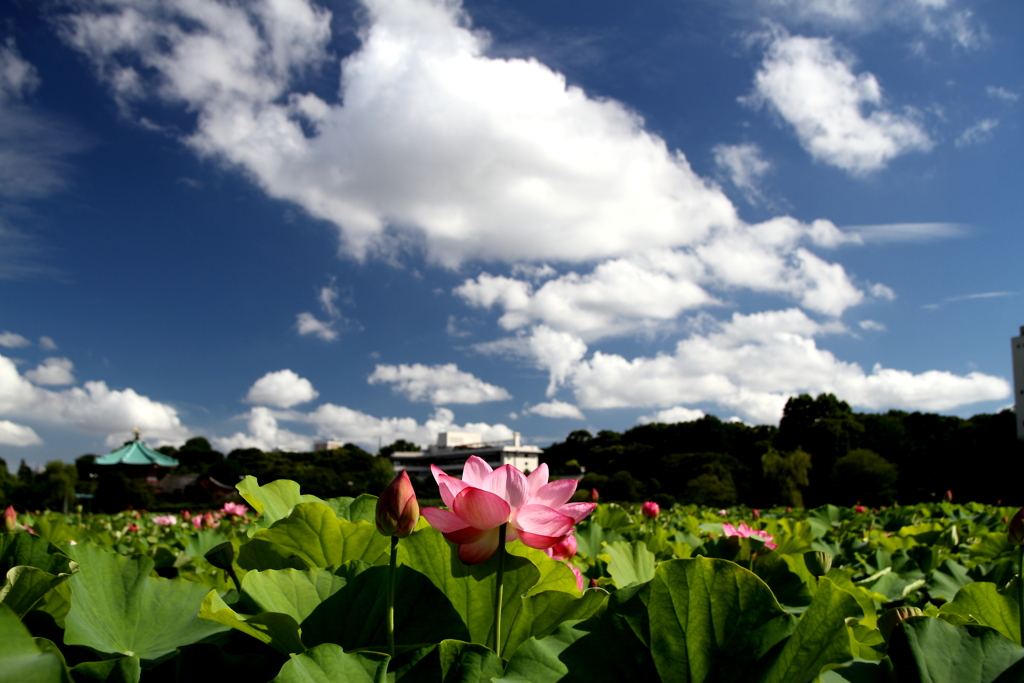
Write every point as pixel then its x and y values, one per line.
pixel 821 452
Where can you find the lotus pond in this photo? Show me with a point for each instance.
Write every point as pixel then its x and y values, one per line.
pixel 686 594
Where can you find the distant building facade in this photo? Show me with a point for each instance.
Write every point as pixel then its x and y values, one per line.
pixel 329 445
pixel 454 448
pixel 1017 347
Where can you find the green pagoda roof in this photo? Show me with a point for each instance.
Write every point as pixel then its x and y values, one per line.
pixel 136 453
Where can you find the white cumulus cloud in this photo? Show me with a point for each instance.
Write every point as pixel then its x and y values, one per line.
pixel 839 116
pixel 264 434
pixel 12 340
pixel 281 389
pixel 438 384
pixel 556 409
pixel 52 371
pixel 744 166
pixel 47 344
pixel 672 416
pixel 978 133
pixel 12 434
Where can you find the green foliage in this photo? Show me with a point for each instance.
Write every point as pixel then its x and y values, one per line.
pixel 788 472
pixel 864 476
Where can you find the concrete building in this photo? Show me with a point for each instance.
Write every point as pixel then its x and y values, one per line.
pixel 1017 348
pixel 454 448
pixel 328 445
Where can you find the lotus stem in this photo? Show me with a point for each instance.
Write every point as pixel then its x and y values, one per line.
pixel 391 596
pixel 498 589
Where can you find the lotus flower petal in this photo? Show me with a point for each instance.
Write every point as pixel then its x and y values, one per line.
pixel 556 494
pixel 538 519
pixel 509 484
pixel 449 487
pixel 481 509
pixel 481 549
pixel 537 479
pixel 443 520
pixel 475 471
pixel 578 511
pixel 538 541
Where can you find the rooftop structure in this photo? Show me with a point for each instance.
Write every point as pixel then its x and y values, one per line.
pixel 1017 349
pixel 454 448
pixel 136 453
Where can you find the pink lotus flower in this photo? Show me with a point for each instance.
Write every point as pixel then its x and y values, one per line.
pixel 594 495
pixel 650 509
pixel 10 519
pixel 579 577
pixel 564 549
pixel 744 531
pixel 537 512
pixel 186 515
pixel 859 508
pixel 236 509
pixel 197 522
pixel 133 527
pixel 756 513
pixel 949 496
pixel 398 510
pixel 722 513
pixel 165 520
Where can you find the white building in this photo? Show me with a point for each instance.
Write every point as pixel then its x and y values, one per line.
pixel 1017 348
pixel 454 448
pixel 328 445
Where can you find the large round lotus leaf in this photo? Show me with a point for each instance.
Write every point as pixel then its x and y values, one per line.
pixel 328 663
pixel 538 660
pixel 116 606
pixel 989 606
pixel 272 501
pixel 280 631
pixel 24 549
pixel 290 591
pixel 628 563
pixel 312 533
pixel 21 660
pixel 712 620
pixel 928 650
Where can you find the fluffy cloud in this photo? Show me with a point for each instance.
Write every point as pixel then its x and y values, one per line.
pixel 649 291
pixel 93 408
pixel 753 363
pixel 47 344
pixel 52 371
pixel 281 389
pixel 556 409
pixel 672 416
pixel 307 323
pixel 345 424
pixel 438 384
pixel 744 166
pixel 810 83
pixel 12 434
pixel 565 176
pixel 1000 93
pixel 978 133
pixel 13 340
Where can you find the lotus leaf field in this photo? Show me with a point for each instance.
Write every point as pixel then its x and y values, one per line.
pixel 673 594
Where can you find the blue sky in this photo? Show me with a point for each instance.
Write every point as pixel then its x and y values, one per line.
pixel 273 221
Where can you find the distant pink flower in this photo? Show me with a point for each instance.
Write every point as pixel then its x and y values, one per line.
pixel 949 496
pixel 10 519
pixel 579 577
pixel 594 495
pixel 186 515
pixel 165 520
pixel 133 527
pixel 756 513
pixel 197 522
pixel 744 531
pixel 236 509
pixel 722 513
pixel 538 513
pixel 564 549
pixel 650 509
pixel 859 509
pixel 209 521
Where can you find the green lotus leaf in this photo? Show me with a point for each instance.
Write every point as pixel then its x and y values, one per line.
pixel 203 541
pixel 543 612
pixel 925 649
pixel 611 516
pixel 21 659
pixel 628 563
pixel 983 603
pixel 117 606
pixel 788 578
pixel 821 640
pixel 120 670
pixel 538 660
pixel 262 555
pixel 312 533
pixel 272 501
pixel 26 586
pixel 947 579
pixel 590 538
pixel 713 620
pixel 24 549
pixel 290 591
pixel 554 575
pixel 355 617
pixel 470 588
pixel 328 663
pixel 280 631
pixel 364 508
pixel 453 661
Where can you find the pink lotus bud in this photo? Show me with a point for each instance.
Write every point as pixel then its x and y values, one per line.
pixel 10 519
pixel 1016 529
pixel 564 549
pixel 594 495
pixel 397 508
pixel 186 515
pixel 788 509
pixel 197 522
pixel 756 513
pixel 133 527
pixel 949 496
pixel 650 509
pixel 859 508
pixel 593 583
pixel 579 577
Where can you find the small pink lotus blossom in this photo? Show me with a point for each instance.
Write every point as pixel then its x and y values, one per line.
pixel 859 509
pixel 594 495
pixel 186 515
pixel 744 531
pixel 722 513
pixel 579 577
pixel 650 509
pixel 236 509
pixel 165 520
pixel 133 527
pixel 949 496
pixel 538 513
pixel 209 521
pixel 10 519
pixel 197 522
pixel 564 549
pixel 756 513
pixel 398 510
